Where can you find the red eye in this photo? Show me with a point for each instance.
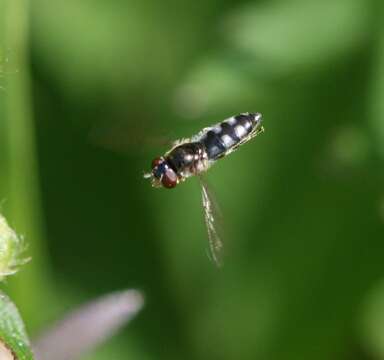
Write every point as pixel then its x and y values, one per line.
pixel 156 162
pixel 169 179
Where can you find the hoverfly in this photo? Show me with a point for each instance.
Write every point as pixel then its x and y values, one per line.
pixel 194 156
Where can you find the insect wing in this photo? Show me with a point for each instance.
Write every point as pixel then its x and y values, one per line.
pixel 211 216
pixel 127 137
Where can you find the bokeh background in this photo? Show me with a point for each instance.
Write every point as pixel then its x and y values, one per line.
pixel 84 85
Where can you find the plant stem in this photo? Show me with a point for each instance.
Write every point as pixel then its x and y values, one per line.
pixel 22 190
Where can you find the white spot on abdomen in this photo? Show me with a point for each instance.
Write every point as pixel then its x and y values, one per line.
pixel 231 121
pixel 227 140
pixel 240 131
pixel 217 129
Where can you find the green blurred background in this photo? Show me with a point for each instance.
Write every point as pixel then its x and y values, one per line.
pixel 83 82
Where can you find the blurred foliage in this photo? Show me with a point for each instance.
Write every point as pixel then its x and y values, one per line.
pixel 303 203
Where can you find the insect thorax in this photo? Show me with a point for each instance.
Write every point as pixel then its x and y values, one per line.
pixel 188 159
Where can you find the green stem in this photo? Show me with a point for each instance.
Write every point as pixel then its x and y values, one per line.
pixel 22 196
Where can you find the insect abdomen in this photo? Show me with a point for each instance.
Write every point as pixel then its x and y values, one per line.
pixel 227 134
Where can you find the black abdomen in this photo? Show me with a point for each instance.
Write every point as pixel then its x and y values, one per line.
pixel 213 145
pixel 227 134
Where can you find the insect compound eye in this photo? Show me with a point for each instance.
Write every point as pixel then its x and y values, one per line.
pixel 169 179
pixel 158 167
pixel 156 162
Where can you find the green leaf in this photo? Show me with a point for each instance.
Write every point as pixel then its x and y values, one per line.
pixel 12 331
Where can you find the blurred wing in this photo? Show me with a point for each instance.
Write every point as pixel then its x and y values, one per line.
pixel 125 137
pixel 211 216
